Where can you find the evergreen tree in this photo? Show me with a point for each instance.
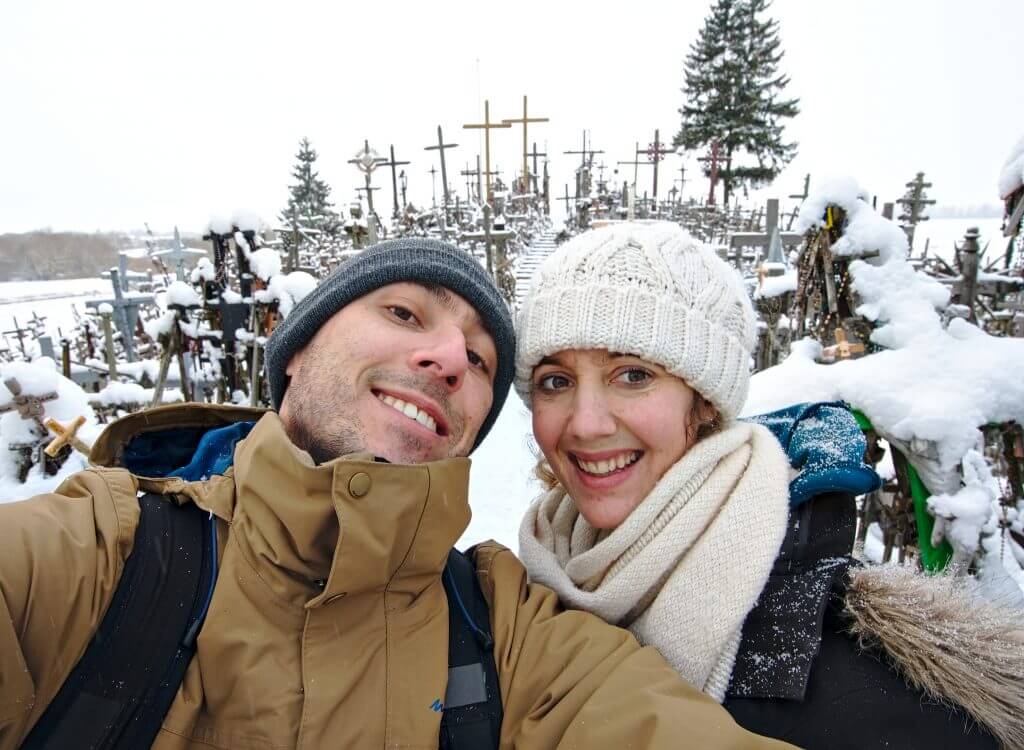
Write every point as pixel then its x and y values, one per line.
pixel 309 203
pixel 733 95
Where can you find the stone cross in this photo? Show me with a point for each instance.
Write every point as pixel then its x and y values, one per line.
pixel 126 312
pixel 525 120
pixel 440 148
pixel 740 240
pixel 29 407
pixel 487 126
pixel 178 255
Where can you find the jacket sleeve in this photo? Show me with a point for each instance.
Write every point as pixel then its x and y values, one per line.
pixel 61 556
pixel 570 680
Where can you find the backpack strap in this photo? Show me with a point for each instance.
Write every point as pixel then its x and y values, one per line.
pixel 472 702
pixel 122 687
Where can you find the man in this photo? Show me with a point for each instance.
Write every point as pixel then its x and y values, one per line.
pixel 328 625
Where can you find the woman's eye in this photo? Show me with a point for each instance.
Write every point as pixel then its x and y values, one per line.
pixel 553 382
pixel 635 376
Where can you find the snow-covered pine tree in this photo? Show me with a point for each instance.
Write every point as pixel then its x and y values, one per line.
pixel 310 215
pixel 733 95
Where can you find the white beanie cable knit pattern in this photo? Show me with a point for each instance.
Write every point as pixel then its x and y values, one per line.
pixel 649 290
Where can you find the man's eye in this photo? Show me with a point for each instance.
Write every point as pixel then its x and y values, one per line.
pixel 476 360
pixel 402 313
pixel 552 382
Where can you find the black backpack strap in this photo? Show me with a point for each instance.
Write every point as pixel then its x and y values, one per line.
pixel 472 702
pixel 122 687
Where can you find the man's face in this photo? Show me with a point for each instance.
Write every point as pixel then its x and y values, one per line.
pixel 404 372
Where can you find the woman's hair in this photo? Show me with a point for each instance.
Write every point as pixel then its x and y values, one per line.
pixel 704 420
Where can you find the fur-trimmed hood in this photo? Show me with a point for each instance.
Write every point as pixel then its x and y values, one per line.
pixel 946 640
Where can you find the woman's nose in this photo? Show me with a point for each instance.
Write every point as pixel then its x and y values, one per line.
pixel 592 416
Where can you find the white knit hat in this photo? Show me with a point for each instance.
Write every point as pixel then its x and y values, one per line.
pixel 649 290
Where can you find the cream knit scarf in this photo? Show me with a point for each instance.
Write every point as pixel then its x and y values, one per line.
pixel 685 568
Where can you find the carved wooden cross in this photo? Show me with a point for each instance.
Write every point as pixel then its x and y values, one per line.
pixel 843 349
pixel 65 434
pixel 29 407
pixel 394 179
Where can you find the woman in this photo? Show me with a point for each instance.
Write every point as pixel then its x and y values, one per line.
pixel 669 517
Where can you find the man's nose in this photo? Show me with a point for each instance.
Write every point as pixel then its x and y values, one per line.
pixel 592 416
pixel 443 355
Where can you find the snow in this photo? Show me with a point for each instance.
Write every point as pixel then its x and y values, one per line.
pixel 1011 176
pixel 131 395
pixel 774 286
pixel 220 224
pixel 265 263
pixel 105 308
pixel 180 293
pixel 204 271
pixel 160 326
pixel 247 221
pixel 287 289
pixel 865 231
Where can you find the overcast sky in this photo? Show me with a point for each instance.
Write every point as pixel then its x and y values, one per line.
pixel 117 113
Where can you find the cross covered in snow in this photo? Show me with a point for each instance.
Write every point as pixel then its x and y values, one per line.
pixel 28 406
pixel 125 311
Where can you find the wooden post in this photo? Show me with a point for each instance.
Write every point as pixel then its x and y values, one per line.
pixel 969 270
pixel 108 335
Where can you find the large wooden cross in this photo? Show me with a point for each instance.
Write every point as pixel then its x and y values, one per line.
pixel 490 236
pixel 487 126
pixel 525 120
pixel 394 179
pixel 440 148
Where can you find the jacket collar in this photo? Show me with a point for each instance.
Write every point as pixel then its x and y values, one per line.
pixel 348 526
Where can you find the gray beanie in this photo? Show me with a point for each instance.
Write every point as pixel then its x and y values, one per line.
pixel 390 262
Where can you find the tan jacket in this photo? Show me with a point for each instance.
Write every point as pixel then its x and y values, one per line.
pixel 328 626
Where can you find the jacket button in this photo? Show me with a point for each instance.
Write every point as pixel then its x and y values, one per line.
pixel 359 484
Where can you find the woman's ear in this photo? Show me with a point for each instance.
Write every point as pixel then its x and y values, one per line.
pixel 705 419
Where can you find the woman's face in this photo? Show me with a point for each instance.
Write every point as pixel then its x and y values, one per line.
pixel 610 425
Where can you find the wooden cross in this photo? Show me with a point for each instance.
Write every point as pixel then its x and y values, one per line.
pixel 712 161
pixel 490 236
pixel 487 126
pixel 66 434
pixel 440 148
pixel 636 163
pixel 566 198
pixel 586 155
pixel 738 240
pixel 366 161
pixel 433 185
pixel 469 174
pixel 524 120
pixel 534 154
pixel 655 152
pixel 29 407
pixel 20 333
pixel 394 179
pixel 843 349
